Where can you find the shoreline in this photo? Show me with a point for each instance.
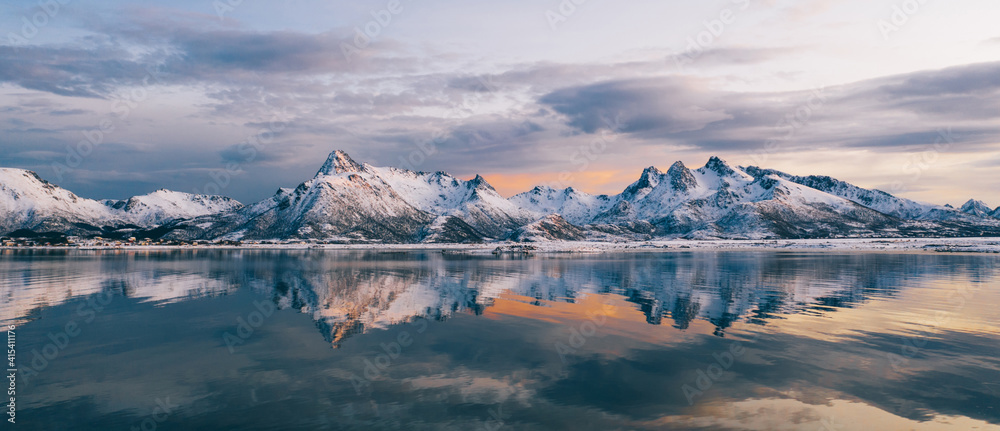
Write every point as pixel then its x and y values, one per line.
pixel 934 245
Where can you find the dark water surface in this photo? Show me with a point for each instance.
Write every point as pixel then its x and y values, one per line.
pixel 273 340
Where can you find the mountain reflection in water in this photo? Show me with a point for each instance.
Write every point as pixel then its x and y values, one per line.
pixel 603 341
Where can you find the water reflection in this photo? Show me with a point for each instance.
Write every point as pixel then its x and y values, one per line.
pixel 898 339
pixel 350 292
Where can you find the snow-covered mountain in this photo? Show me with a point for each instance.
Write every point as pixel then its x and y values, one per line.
pixel 875 199
pixel 979 208
pixel 344 201
pixel 475 202
pixel 28 202
pixel 718 200
pixel 576 207
pixel 353 202
pixel 347 201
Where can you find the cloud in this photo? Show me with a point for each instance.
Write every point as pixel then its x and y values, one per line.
pixel 69 71
pixel 729 56
pixel 129 53
pixel 664 106
pixel 225 55
pixel 885 114
pixel 963 80
pixel 64 112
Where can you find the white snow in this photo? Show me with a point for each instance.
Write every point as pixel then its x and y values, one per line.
pixel 884 202
pixel 444 195
pixel 165 205
pixel 28 202
pixel 576 207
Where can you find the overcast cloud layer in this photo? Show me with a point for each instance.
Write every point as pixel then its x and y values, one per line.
pixel 111 99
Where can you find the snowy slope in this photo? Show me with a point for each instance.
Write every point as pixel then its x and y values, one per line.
pixel 344 201
pixel 874 199
pixel 476 202
pixel 164 205
pixel 576 207
pixel 450 229
pixel 29 202
pixel 550 228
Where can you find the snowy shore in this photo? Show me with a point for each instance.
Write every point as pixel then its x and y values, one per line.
pixel 938 245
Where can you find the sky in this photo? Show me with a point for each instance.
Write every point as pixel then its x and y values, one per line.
pixel 111 99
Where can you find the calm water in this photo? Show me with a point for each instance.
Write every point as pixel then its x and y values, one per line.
pixel 430 341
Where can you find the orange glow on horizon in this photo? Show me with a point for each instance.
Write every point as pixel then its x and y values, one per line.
pixel 593 182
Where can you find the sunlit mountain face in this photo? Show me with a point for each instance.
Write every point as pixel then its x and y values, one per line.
pixel 375 340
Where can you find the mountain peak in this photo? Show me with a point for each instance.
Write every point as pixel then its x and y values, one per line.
pixel 650 178
pixel 973 203
pixel 339 162
pixel 719 166
pixel 976 207
pixel 681 177
pixel 480 183
pixel 652 170
pixel 15 172
pixel 14 178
